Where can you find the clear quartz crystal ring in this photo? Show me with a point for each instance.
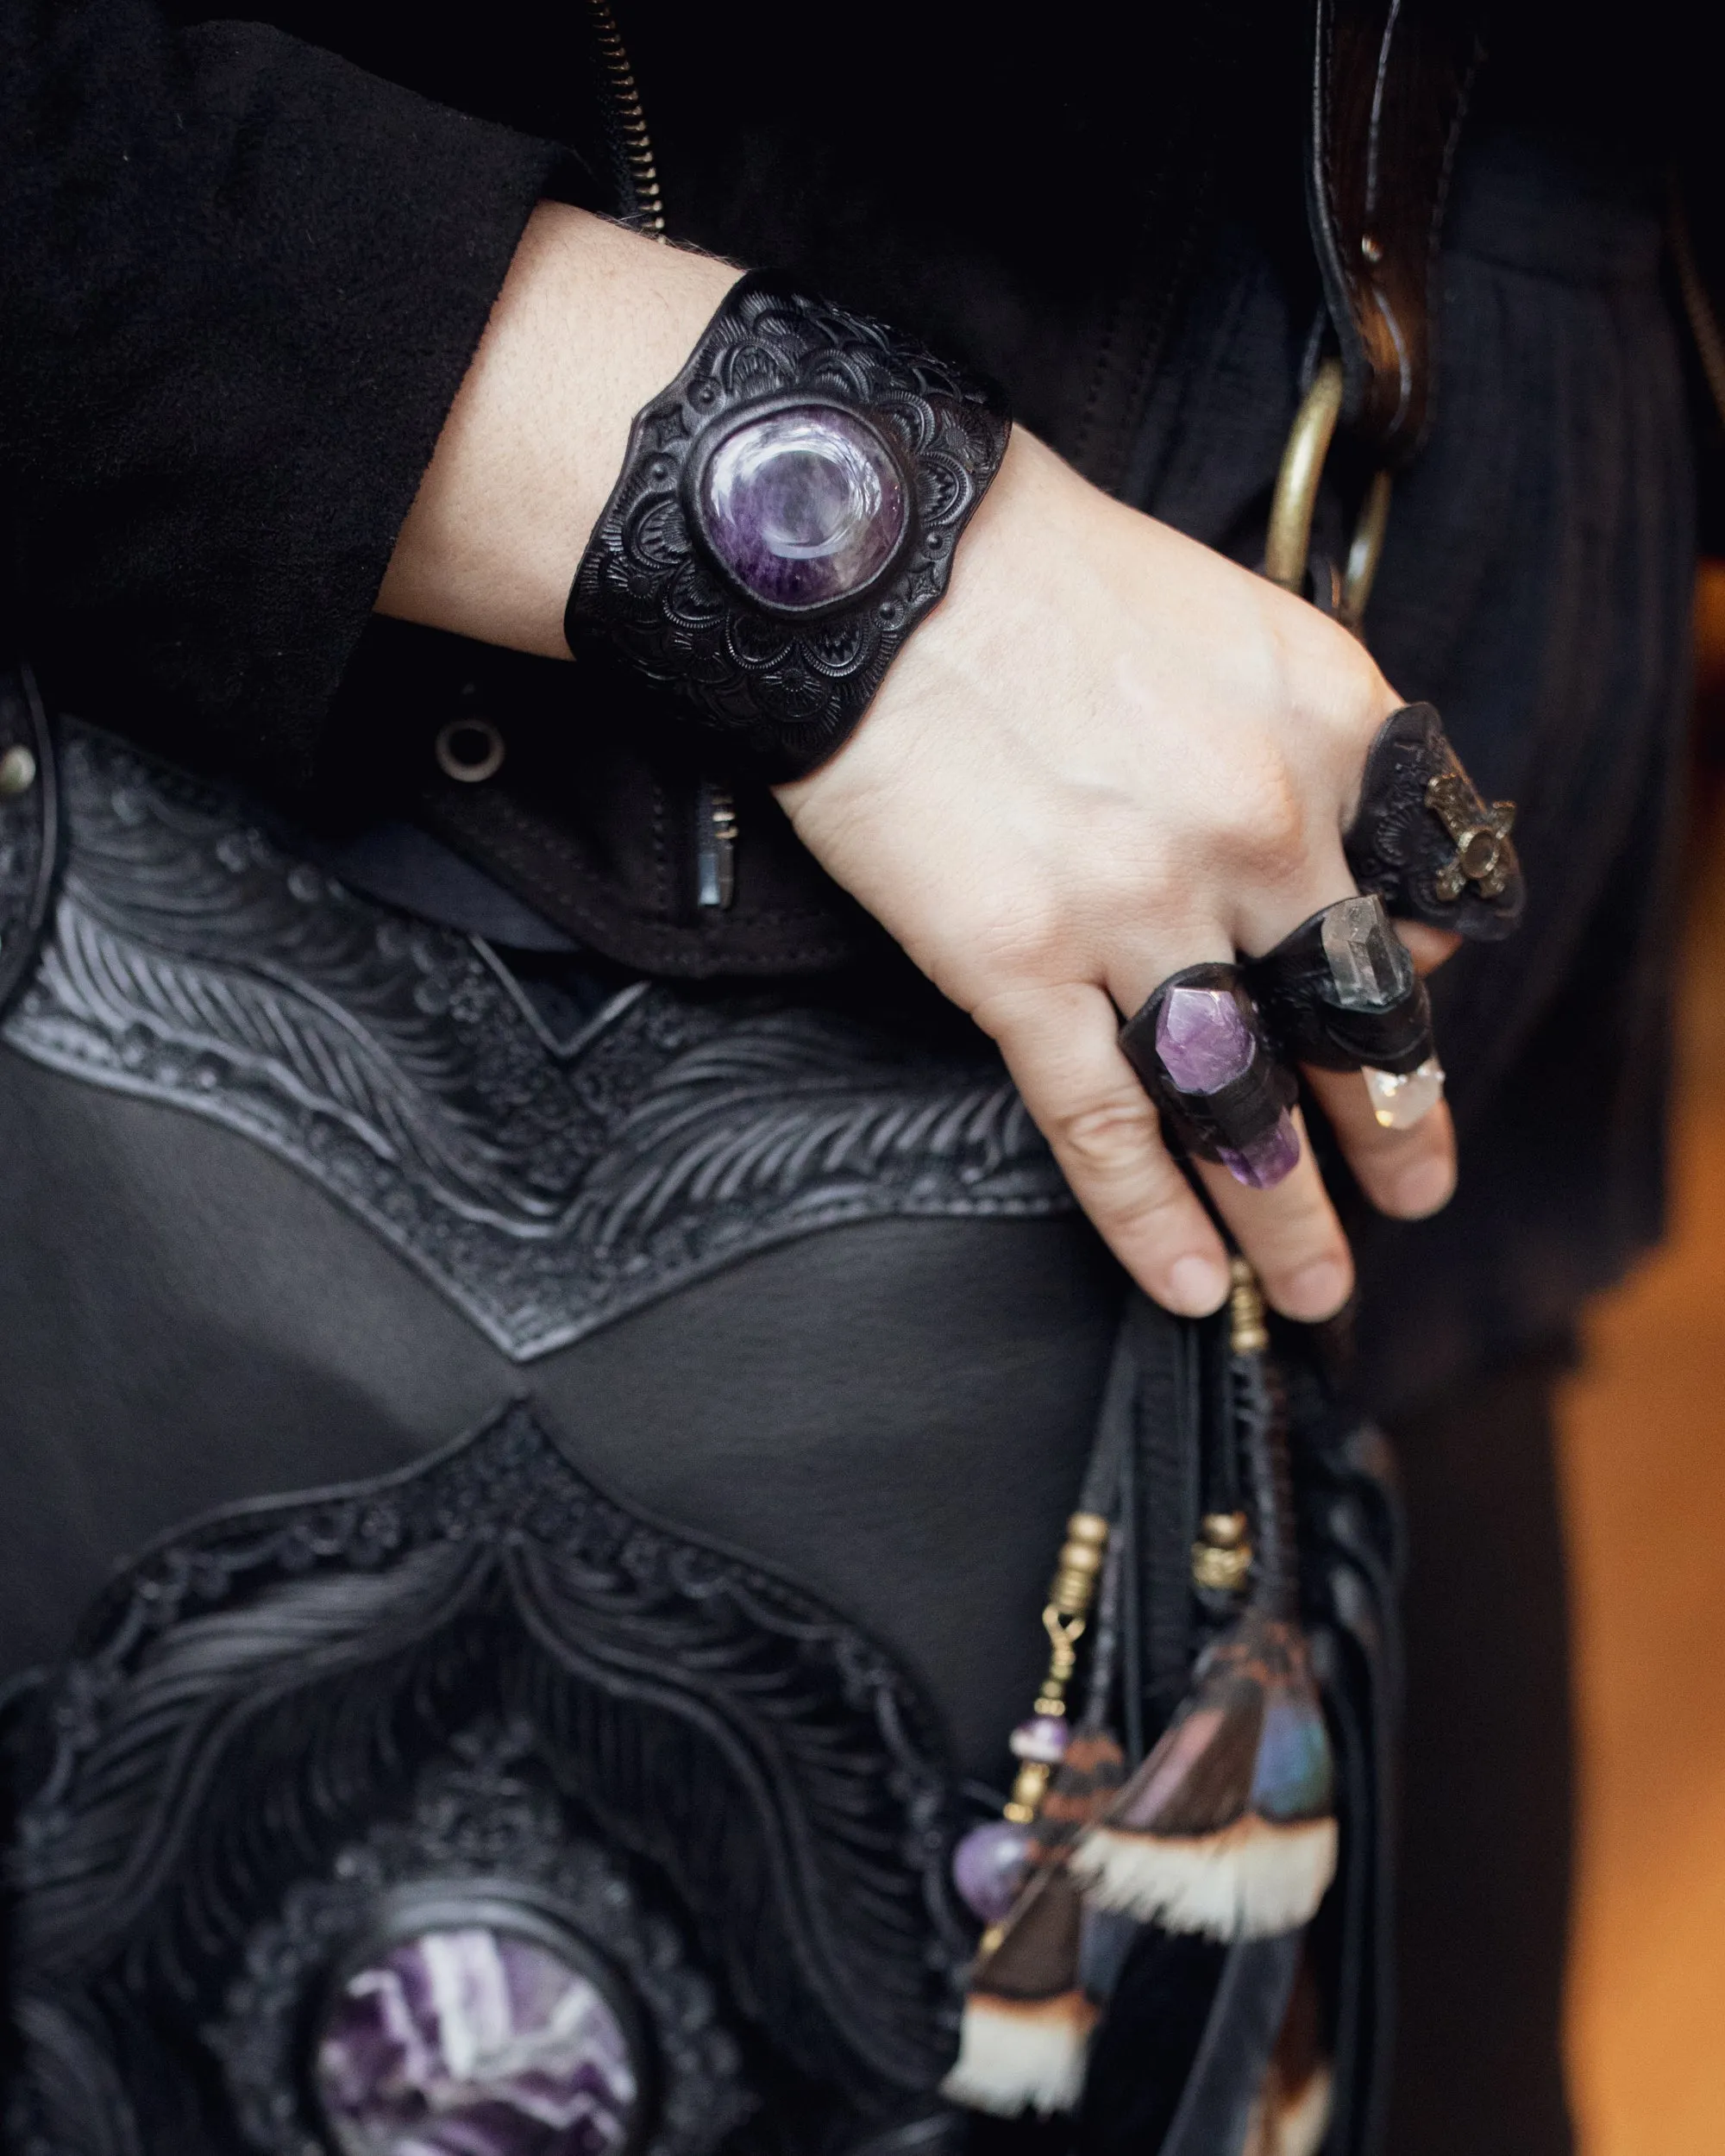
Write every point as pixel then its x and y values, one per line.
pixel 1340 992
pixel 1201 1055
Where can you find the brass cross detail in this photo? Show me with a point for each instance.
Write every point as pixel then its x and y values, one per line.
pixel 1483 855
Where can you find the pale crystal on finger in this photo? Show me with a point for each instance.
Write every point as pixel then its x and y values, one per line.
pixel 1401 1102
pixel 1368 963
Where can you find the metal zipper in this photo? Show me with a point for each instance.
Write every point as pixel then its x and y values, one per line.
pixel 640 204
pixel 633 168
pixel 715 848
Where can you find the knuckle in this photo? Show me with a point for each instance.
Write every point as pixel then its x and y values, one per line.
pixel 1264 824
pixel 1108 1138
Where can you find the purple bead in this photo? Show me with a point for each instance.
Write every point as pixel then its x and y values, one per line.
pixel 1267 1159
pixel 1043 1738
pixel 472 2041
pixel 803 506
pixel 987 1866
pixel 1202 1039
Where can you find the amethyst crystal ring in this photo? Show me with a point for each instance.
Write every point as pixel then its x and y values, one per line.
pixel 786 516
pixel 1201 1056
pixel 1341 993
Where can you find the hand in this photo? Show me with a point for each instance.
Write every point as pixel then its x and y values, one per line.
pixel 1111 753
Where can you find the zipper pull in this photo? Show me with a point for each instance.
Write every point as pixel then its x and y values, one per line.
pixel 715 848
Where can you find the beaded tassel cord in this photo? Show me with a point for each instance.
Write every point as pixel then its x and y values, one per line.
pixel 1228 1828
pixel 1027 2020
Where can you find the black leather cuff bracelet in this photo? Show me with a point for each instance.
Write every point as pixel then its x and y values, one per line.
pixel 785 517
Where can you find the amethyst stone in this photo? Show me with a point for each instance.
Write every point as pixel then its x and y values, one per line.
pixel 1202 1039
pixel 1261 1164
pixel 1204 1043
pixel 1043 1737
pixel 987 1866
pixel 805 506
pixel 471 2040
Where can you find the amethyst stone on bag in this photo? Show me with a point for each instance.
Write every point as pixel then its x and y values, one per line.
pixel 469 2040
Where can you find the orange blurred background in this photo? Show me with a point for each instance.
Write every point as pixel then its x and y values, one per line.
pixel 1644 1478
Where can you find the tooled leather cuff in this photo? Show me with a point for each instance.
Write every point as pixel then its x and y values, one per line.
pixel 786 516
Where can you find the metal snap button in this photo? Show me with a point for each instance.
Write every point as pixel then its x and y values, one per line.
pixel 470 750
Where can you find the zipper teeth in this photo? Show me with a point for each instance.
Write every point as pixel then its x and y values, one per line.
pixel 637 173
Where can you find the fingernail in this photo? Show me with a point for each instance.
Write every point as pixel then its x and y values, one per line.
pixel 1318 1290
pixel 1197 1285
pixel 1424 1186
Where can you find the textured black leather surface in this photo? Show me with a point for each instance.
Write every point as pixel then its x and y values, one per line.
pixel 545 1182
pixel 220 1808
pixel 895 1411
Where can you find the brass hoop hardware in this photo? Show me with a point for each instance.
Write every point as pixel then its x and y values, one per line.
pixel 1287 544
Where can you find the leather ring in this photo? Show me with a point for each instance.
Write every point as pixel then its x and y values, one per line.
pixel 1341 993
pixel 1425 841
pixel 1201 1055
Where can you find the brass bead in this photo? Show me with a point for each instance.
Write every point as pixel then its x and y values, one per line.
pixel 1247 1331
pixel 1223 1530
pixel 1221 1570
pixel 1027 1789
pixel 1088 1526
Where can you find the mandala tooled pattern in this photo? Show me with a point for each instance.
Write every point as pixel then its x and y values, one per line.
pixel 546 1187
pixel 785 691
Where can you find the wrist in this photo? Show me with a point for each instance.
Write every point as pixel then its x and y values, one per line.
pixel 591 320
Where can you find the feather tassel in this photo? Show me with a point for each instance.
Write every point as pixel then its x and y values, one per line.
pixel 1228 1828
pixel 1026 2029
pixel 1026 2034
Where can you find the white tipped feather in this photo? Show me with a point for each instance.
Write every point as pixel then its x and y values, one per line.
pixel 1295 2125
pixel 1250 1880
pixel 1017 2055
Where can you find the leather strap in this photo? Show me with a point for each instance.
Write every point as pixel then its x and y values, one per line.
pixel 1389 85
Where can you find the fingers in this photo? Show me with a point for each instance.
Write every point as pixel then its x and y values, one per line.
pixel 1407 1174
pixel 1059 1046
pixel 1427 946
pixel 1291 1235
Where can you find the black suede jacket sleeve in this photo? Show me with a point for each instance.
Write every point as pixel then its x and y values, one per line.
pixel 240 281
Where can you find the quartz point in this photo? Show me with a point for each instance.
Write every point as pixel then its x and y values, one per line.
pixel 1400 1102
pixel 1202 1039
pixel 1368 963
pixel 474 2040
pixel 804 506
pixel 987 1865
pixel 1263 1163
